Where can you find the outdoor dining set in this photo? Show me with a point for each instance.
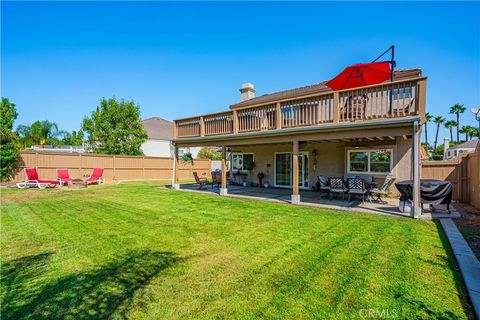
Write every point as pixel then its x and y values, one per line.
pixel 354 185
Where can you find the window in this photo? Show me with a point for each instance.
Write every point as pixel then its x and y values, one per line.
pixel 242 161
pixel 370 161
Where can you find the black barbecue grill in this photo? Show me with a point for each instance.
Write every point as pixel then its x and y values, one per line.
pixel 433 192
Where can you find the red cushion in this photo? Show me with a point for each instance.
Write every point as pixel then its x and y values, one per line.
pixel 97 173
pixel 63 174
pixel 65 179
pixel 31 173
pixel 47 181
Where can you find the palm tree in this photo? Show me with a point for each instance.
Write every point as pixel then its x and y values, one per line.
pixel 465 131
pixel 469 131
pixel 438 120
pixel 39 133
pixel 449 125
pixel 428 118
pixel 457 109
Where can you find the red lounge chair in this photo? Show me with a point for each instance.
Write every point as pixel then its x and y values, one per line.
pixel 63 176
pixel 200 181
pixel 96 177
pixel 32 180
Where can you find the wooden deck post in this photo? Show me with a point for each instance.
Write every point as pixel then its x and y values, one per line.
pixel 416 203
pixel 202 127
pixel 295 193
pixel 223 189
pixel 278 116
pixel 175 178
pixel 336 107
pixel 421 99
pixel 235 122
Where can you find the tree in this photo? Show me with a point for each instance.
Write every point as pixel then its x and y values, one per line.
pixel 209 153
pixel 9 141
pixel 39 133
pixel 469 131
pixel 438 120
pixel 428 118
pixel 457 109
pixel 115 127
pixel 73 139
pixel 449 125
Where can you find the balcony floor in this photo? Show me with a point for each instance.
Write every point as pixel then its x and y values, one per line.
pixel 314 199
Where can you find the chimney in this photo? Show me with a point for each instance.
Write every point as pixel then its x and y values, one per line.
pixel 247 92
pixel 446 145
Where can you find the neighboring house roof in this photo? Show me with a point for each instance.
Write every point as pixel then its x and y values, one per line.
pixel 310 89
pixel 158 128
pixel 471 144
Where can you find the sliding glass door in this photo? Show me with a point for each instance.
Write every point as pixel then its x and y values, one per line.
pixel 283 169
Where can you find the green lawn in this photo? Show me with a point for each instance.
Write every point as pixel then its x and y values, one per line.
pixel 140 251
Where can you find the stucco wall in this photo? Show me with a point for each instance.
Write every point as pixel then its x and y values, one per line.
pixel 162 148
pixel 330 160
pixel 156 148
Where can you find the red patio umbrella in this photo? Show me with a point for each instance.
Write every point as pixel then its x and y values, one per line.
pixel 362 74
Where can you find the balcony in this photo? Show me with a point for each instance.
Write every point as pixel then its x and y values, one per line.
pixel 397 99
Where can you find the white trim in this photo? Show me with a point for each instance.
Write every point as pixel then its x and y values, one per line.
pixel 368 163
pixel 291 171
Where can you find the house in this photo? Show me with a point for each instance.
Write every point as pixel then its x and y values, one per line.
pixel 294 136
pixel 463 148
pixel 159 142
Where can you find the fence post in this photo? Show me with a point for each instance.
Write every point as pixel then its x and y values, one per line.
pixel 114 178
pixel 80 166
pixel 143 167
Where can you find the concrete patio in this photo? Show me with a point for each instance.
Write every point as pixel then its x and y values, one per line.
pixel 315 199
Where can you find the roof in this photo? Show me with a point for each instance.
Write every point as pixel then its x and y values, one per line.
pixel 158 128
pixel 310 89
pixel 471 144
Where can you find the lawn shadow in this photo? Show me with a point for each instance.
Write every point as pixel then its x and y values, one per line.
pixel 94 294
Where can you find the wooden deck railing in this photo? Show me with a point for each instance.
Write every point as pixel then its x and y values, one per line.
pixel 401 98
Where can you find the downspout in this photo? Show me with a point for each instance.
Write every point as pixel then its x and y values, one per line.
pixel 174 157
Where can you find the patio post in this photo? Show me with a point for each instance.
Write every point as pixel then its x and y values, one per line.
pixel 175 179
pixel 416 203
pixel 295 193
pixel 223 189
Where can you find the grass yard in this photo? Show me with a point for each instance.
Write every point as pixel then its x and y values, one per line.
pixel 142 252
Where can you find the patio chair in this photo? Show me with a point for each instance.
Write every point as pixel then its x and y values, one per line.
pixel 356 186
pixel 377 193
pixel 63 177
pixel 96 176
pixel 200 181
pixel 32 180
pixel 337 185
pixel 324 185
pixel 215 179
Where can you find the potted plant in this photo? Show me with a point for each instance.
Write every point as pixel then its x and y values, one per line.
pixel 187 158
pixel 260 176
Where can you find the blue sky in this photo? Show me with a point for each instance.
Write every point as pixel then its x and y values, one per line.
pixel 181 59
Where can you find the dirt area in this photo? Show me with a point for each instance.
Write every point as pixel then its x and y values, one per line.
pixel 469 226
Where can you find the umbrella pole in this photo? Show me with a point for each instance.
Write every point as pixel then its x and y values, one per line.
pixel 391 76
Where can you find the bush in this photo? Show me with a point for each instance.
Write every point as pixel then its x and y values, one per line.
pixel 9 148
